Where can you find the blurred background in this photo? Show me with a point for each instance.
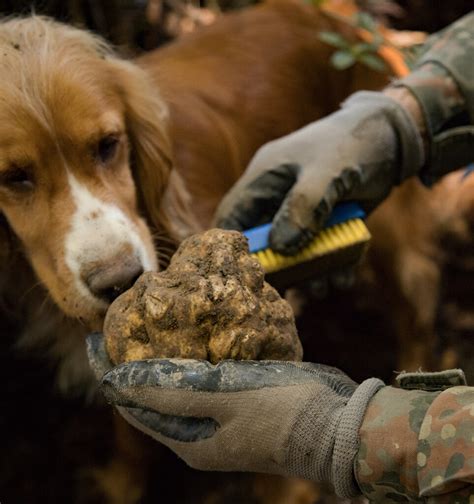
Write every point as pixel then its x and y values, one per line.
pixel 141 25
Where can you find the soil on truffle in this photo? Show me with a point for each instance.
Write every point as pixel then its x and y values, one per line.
pixel 211 303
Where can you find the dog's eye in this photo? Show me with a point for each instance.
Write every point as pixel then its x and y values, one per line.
pixel 107 147
pixel 17 179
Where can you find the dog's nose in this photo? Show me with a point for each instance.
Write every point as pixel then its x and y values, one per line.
pixel 108 281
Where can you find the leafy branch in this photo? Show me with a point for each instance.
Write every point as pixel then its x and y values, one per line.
pixel 348 53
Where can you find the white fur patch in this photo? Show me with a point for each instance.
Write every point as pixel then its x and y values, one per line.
pixel 98 230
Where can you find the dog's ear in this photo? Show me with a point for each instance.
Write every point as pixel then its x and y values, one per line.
pixel 163 194
pixel 147 128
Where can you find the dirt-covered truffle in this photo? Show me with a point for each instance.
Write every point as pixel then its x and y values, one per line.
pixel 211 303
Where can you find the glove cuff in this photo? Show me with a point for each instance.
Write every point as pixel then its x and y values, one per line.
pixel 347 440
pixel 411 155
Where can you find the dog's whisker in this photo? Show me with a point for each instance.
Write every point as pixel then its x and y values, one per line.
pixel 165 239
pixel 165 250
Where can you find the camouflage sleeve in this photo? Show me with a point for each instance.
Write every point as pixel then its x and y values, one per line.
pixel 453 50
pixel 443 84
pixel 445 452
pixel 418 446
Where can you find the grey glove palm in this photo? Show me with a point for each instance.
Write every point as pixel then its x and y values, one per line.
pixel 358 153
pixel 288 418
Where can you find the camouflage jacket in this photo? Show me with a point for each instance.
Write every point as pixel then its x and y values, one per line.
pixel 443 84
pixel 418 445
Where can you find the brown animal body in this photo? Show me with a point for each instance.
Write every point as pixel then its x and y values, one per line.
pixel 422 261
pixel 255 76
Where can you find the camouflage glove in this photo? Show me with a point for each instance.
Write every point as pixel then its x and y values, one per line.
pixel 292 419
pixel 358 153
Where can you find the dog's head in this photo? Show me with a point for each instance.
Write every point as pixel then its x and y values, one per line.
pixel 80 129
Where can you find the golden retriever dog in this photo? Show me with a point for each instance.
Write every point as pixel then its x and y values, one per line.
pixel 106 164
pixel 71 115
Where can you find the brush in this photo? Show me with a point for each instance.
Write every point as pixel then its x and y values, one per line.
pixel 338 246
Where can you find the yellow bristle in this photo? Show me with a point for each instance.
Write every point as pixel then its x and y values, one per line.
pixel 328 240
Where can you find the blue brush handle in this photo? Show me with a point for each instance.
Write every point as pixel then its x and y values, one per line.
pixel 258 237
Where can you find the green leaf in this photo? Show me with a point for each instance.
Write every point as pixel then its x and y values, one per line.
pixel 316 3
pixel 366 21
pixel 373 61
pixel 342 60
pixel 362 47
pixel 333 39
pixel 377 40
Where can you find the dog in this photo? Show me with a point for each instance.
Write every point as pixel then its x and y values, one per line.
pixel 107 164
pixel 70 115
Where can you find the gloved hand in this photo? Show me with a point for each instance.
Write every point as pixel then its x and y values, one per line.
pixel 288 418
pixel 358 153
